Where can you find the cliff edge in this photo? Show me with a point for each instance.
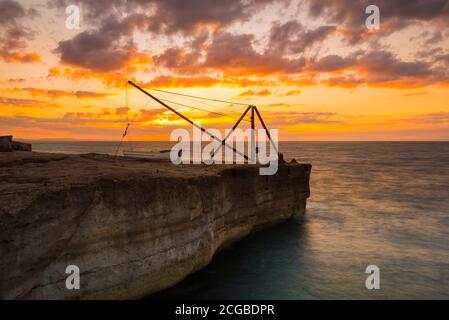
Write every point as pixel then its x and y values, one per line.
pixel 133 227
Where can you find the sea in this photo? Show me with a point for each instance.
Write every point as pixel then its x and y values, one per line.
pixel 381 205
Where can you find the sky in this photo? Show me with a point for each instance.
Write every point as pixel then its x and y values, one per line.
pixel 312 67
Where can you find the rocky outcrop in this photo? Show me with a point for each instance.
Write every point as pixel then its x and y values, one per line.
pixel 21 146
pixel 132 227
pixel 5 143
pixel 8 145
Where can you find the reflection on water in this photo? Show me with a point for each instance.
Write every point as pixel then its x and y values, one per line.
pixel 372 203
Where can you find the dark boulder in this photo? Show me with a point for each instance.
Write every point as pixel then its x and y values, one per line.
pixel 5 143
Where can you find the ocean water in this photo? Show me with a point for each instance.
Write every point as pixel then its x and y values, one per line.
pixel 372 203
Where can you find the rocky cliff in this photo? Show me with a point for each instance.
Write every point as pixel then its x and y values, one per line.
pixel 132 227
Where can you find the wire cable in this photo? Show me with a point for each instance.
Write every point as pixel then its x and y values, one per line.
pixel 196 97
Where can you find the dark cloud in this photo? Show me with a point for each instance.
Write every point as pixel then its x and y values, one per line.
pixel 108 44
pixel 109 47
pixel 95 51
pixel 345 81
pixel 291 37
pixel 180 15
pixel 250 93
pixel 186 59
pixel 10 12
pixel 429 53
pixel 235 54
pixel 14 35
pixel 385 64
pixel 442 58
pixel 333 62
pixel 170 16
pixel 232 54
pixel 395 15
pixel 178 59
pixel 211 55
pixel 379 67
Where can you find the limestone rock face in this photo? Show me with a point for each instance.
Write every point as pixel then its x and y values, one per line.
pixel 132 227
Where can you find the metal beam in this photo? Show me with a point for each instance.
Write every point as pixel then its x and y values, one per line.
pixel 266 130
pixel 233 128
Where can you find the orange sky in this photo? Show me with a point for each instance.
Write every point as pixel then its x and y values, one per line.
pixel 312 67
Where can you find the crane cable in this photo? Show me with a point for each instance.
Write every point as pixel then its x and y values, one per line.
pixel 196 108
pixel 125 133
pixel 196 97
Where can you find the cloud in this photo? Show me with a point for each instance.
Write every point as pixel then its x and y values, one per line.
pixel 414 94
pixel 10 11
pixel 184 60
pixel 14 34
pixel 277 118
pixel 89 94
pixel 227 53
pixel 291 37
pixel 122 111
pixel 380 68
pixel 170 16
pixel 281 104
pixel 204 82
pixel 110 46
pixel 345 81
pixel 249 93
pixel 432 118
pixel 150 114
pixel 114 115
pixel 25 103
pixel 350 15
pixel 234 54
pixel 333 62
pixel 210 55
pixel 264 93
pixel 95 51
pixel 182 82
pixel 18 57
pixel 16 80
pixel 291 93
pixel 56 93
